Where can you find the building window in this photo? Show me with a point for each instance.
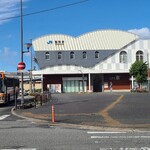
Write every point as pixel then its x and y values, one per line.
pixel 47 55
pixel 59 55
pixel 123 57
pixel 84 55
pixel 72 56
pixel 139 56
pixel 96 54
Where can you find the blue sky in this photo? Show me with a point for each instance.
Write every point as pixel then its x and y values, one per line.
pixel 90 15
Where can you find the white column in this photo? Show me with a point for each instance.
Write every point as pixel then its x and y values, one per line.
pixel 89 78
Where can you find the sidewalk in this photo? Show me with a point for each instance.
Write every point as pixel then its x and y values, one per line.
pixel 32 109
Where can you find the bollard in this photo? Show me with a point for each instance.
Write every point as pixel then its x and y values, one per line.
pixel 53 114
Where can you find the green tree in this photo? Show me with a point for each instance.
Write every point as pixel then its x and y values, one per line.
pixel 139 71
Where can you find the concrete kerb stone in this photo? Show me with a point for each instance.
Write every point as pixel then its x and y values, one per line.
pixel 14 112
pixel 95 128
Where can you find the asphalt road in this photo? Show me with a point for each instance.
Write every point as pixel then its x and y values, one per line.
pixel 82 108
pixel 97 109
pixel 23 134
pixel 5 112
pixel 116 109
pixel 134 108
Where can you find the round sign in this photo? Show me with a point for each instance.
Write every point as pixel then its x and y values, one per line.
pixel 21 66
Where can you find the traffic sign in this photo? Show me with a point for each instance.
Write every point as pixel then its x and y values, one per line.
pixel 21 66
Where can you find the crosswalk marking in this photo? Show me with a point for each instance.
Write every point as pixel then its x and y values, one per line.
pixel 3 117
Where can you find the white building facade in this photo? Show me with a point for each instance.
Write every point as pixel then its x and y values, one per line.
pixel 97 61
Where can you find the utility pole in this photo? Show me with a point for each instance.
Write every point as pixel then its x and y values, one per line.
pixel 21 52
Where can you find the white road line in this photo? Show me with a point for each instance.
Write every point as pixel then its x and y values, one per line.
pixel 120 137
pixel 21 149
pixel 3 117
pixel 105 132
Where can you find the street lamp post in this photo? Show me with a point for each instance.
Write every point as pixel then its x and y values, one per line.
pixel 21 52
pixel 28 46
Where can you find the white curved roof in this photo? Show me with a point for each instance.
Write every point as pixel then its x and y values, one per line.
pixel 96 40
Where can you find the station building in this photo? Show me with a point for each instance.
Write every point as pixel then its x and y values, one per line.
pixel 97 61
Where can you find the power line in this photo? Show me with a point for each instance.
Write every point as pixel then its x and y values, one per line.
pixel 46 10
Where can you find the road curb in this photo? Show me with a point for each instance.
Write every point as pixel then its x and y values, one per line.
pixel 98 128
pixel 27 118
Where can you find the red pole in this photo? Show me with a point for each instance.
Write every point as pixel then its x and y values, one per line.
pixel 53 114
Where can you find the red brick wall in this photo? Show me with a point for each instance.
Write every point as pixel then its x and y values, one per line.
pixel 119 81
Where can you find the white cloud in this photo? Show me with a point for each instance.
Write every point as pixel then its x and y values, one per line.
pixel 9 9
pixel 143 33
pixel 7 56
pixel 7 53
